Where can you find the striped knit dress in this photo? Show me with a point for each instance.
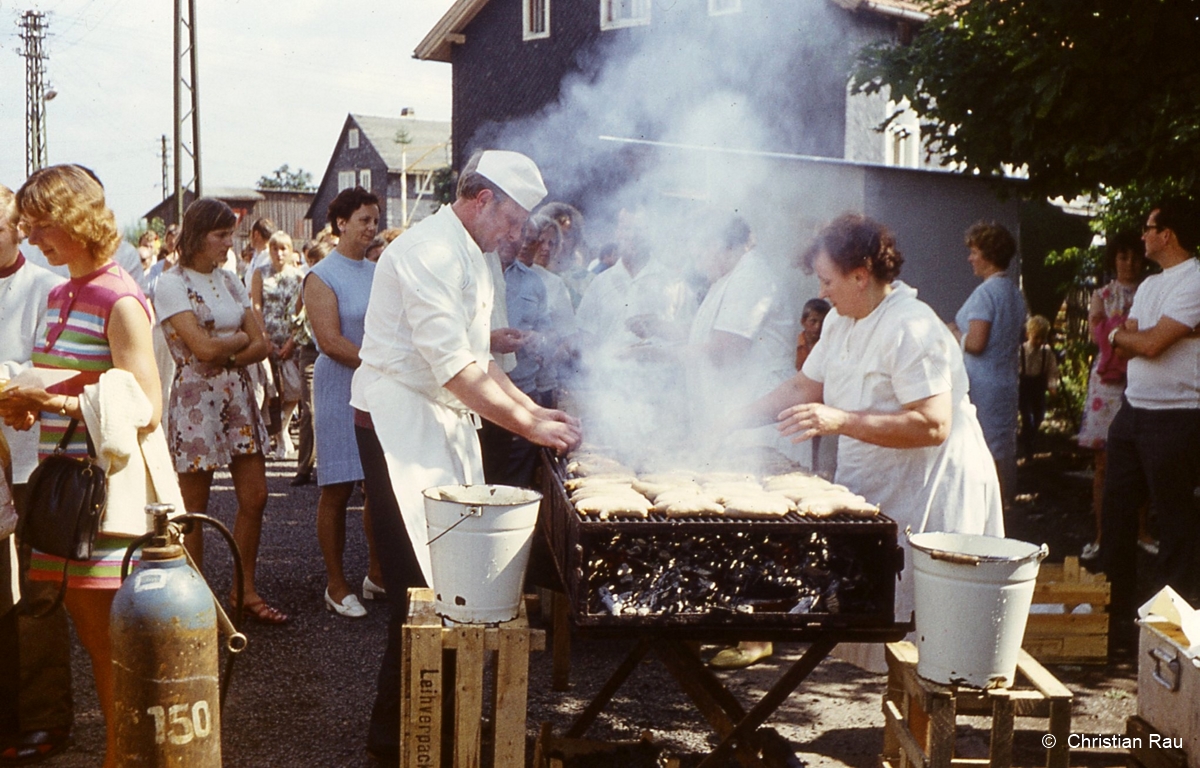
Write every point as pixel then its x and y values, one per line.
pixel 77 339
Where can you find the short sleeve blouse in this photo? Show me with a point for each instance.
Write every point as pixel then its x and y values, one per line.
pixel 226 299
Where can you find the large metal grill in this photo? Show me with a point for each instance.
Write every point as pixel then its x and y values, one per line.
pixel 742 569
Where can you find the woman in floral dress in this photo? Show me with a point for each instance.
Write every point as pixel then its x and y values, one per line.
pixel 1125 256
pixel 273 292
pixel 214 422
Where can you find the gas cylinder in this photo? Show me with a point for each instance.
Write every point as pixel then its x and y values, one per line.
pixel 165 662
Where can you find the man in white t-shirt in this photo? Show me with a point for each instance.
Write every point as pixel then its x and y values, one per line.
pixel 1154 441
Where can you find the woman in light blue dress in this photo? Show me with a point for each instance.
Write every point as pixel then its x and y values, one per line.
pixel 336 291
pixel 989 327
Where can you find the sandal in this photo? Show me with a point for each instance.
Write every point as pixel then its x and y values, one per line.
pixel 35 746
pixel 263 613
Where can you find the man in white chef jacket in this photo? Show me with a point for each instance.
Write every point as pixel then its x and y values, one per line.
pixel 427 375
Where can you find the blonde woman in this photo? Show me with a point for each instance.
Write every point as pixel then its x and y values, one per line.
pixel 274 290
pixel 97 320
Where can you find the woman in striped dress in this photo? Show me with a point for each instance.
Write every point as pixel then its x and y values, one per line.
pixel 97 320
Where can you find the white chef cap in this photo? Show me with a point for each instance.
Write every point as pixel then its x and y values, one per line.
pixel 515 174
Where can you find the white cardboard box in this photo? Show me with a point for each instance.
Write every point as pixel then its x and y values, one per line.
pixel 1169 686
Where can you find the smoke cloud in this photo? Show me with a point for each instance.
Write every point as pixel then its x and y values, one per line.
pixel 689 119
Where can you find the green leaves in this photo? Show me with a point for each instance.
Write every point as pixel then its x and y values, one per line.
pixel 284 178
pixel 1082 93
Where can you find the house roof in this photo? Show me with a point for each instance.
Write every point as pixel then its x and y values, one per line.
pixel 428 150
pixel 449 29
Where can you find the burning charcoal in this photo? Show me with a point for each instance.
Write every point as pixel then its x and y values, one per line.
pixel 807 604
pixel 830 596
pixel 609 601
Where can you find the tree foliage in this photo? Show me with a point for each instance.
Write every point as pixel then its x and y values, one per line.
pixel 284 178
pixel 1081 93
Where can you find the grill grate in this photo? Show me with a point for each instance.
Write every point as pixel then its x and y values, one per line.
pixel 583 551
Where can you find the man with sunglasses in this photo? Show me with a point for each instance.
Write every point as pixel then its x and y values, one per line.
pixel 1154 441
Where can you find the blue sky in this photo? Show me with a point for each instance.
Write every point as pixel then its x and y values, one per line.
pixel 276 82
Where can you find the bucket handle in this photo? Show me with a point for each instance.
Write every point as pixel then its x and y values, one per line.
pixel 959 558
pixel 471 510
pixel 954 557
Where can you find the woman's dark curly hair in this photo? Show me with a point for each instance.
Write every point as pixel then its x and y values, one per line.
pixel 993 241
pixel 852 241
pixel 346 203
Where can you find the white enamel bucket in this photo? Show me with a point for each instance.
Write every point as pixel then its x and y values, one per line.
pixel 479 542
pixel 972 601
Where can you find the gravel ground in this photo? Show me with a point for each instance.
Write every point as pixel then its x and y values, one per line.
pixel 302 692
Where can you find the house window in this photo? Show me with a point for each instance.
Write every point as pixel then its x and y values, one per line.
pixel 721 7
pixel 345 180
pixel 352 139
pixel 536 18
pixel 902 136
pixel 624 13
pixel 364 179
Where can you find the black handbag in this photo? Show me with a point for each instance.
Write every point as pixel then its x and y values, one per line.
pixel 64 506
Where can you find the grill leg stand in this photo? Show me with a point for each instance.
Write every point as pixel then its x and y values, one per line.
pixel 718 706
pixel 779 692
pixel 597 704
pixel 560 671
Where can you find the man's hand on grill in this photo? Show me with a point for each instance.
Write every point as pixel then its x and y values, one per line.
pixel 559 435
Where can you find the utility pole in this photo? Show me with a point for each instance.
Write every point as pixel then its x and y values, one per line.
pixel 186 21
pixel 165 164
pixel 33 32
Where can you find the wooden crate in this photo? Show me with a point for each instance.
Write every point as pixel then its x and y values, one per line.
pixel 442 716
pixel 1151 754
pixel 551 751
pixel 1069 638
pixel 921 717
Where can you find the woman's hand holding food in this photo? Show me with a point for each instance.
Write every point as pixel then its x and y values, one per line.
pixel 20 406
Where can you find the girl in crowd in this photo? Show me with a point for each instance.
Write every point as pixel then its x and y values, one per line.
pixel 214 334
pixel 1125 259
pixel 1039 374
pixel 273 292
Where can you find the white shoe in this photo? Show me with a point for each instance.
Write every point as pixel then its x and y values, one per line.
pixel 350 607
pixel 1090 551
pixel 372 591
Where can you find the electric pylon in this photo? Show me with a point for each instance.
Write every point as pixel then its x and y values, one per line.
pixel 185 21
pixel 33 32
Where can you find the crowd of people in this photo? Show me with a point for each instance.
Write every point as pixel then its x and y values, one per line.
pixel 442 354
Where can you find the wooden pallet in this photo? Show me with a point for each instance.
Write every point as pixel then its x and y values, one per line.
pixel 1146 756
pixel 1069 638
pixel 442 687
pixel 921 717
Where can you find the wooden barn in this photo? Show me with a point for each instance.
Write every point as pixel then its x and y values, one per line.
pixel 394 157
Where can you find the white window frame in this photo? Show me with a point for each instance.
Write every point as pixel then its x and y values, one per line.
pixel 529 15
pixel 364 179
pixel 724 7
pixel 610 19
pixel 352 138
pixel 902 138
pixel 345 180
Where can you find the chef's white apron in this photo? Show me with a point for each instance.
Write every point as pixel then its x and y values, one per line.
pixel 429 443
pixel 426 444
